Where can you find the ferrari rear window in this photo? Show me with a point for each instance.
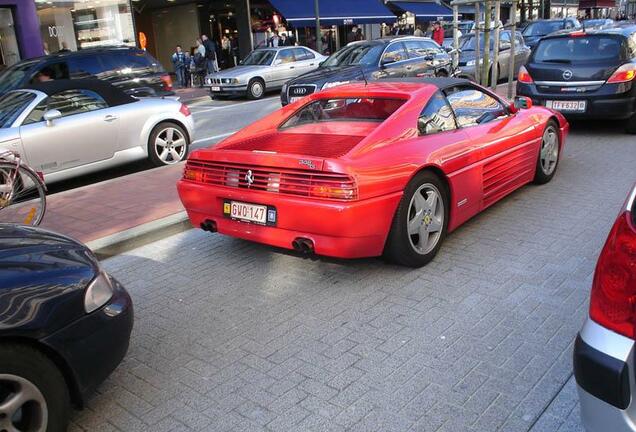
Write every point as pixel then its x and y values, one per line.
pixel 351 109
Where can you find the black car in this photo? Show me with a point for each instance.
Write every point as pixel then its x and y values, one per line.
pixel 64 327
pixel 584 74
pixel 533 31
pixel 372 60
pixel 132 69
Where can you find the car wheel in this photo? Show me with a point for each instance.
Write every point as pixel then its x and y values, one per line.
pixel 631 125
pixel 256 88
pixel 33 393
pixel 420 222
pixel 168 144
pixel 548 154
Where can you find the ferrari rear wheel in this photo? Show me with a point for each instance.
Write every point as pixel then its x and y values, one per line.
pixel 420 222
pixel 548 154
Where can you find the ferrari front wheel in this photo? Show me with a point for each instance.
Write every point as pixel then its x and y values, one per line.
pixel 420 222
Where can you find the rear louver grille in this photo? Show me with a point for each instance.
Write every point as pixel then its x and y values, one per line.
pixel 276 180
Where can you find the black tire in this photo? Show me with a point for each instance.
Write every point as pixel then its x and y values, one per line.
pixel 542 176
pixel 399 247
pixel 631 125
pixel 252 88
pixel 31 365
pixel 153 150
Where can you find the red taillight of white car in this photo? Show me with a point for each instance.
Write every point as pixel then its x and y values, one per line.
pixel 524 76
pixel 185 110
pixel 625 73
pixel 613 299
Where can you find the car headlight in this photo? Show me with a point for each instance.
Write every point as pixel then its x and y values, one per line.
pixel 234 81
pixel 334 84
pixel 98 293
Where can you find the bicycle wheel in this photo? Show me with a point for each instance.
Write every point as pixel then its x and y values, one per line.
pixel 22 201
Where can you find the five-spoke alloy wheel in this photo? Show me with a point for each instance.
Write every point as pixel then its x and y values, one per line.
pixel 548 154
pixel 168 144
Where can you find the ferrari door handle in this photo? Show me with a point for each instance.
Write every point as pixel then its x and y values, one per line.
pixel 110 118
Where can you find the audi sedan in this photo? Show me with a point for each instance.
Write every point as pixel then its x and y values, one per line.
pixel 65 325
pixel 66 128
pixel 262 70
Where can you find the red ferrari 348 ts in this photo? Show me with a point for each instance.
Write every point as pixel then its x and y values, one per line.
pixel 387 168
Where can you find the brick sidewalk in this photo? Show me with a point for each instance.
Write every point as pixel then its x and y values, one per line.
pixel 101 209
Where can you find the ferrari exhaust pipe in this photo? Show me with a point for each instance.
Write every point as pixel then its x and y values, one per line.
pixel 208 225
pixel 303 245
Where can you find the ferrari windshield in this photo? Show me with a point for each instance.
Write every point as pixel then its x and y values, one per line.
pixel 260 58
pixel 357 53
pixel 330 110
pixel 11 106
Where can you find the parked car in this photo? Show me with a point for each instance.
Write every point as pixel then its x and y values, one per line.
pixel 364 170
pixel 533 31
pixel 598 22
pixel 64 327
pixel 584 74
pixel 133 70
pixel 604 348
pixel 68 128
pixel 467 58
pixel 371 60
pixel 262 70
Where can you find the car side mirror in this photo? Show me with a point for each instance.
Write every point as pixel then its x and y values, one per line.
pixel 386 62
pixel 522 102
pixel 278 62
pixel 51 115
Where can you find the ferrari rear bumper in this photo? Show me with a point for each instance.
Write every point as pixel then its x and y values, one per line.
pixel 338 229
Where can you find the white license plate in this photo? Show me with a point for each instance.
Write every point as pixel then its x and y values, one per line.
pixel 294 99
pixel 216 88
pixel 574 106
pixel 248 212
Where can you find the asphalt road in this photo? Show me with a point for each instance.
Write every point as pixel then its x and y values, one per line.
pixel 214 121
pixel 235 336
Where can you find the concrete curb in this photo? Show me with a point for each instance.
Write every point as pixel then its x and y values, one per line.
pixel 124 241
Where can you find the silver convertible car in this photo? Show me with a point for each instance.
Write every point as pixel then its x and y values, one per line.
pixel 262 70
pixel 66 128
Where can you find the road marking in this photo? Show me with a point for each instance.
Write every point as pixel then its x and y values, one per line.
pixel 238 105
pixel 212 138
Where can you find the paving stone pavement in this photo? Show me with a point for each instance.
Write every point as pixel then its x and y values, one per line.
pixel 233 336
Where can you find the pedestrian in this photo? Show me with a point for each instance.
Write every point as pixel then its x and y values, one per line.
pixel 351 37
pixel 328 43
pixel 200 63
pixel 359 35
pixel 418 32
pixel 179 64
pixel 226 50
pixel 187 74
pixel 291 38
pixel 212 64
pixel 274 39
pixel 438 33
pixel 283 39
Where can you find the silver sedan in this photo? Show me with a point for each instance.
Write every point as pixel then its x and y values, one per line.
pixel 68 128
pixel 262 70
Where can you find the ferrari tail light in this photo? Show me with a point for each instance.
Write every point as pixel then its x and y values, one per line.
pixel 625 73
pixel 613 299
pixel 340 191
pixel 193 174
pixel 524 76
pixel 185 110
pixel 167 82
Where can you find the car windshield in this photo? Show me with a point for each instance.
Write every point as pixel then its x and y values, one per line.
pixel 353 54
pixel 590 49
pixel 350 109
pixel 596 22
pixel 470 43
pixel 260 58
pixel 11 106
pixel 12 77
pixel 542 28
pixel 465 27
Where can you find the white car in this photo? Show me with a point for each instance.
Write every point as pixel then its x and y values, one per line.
pixel 67 128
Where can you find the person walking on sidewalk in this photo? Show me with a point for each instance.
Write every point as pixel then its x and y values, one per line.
pixel 210 54
pixel 438 33
pixel 179 63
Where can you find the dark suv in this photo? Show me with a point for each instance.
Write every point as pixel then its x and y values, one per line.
pixel 382 58
pixel 533 31
pixel 584 74
pixel 134 70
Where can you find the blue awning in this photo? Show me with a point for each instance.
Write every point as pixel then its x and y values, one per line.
pixel 334 12
pixel 429 10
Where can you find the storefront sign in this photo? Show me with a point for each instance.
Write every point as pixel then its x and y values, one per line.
pixel 56 30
